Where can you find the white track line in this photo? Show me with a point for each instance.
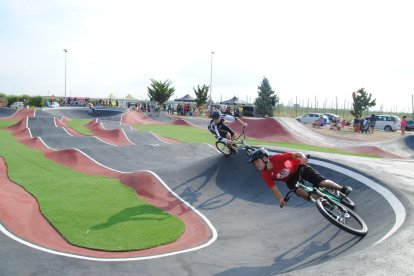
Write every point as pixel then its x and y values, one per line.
pixel 396 205
pixel 34 246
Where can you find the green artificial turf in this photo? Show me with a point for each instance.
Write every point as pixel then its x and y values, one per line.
pixel 100 212
pixel 79 126
pixel 189 134
pixel 89 211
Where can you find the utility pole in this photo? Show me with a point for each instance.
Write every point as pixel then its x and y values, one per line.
pixel 65 50
pixel 211 76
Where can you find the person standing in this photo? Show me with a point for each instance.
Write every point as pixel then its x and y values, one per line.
pixel 372 121
pixel 403 125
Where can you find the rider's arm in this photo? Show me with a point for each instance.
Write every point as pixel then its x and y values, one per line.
pixel 301 156
pixel 241 122
pixel 278 195
pixel 232 119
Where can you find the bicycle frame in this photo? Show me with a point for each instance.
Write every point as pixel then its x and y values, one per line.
pixel 319 192
pixel 239 142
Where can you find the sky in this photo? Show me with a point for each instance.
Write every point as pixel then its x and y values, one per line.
pixel 308 50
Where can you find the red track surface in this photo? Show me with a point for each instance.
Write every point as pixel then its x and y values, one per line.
pixel 33 227
pixel 267 129
pixel 115 136
pixel 133 118
pixel 15 202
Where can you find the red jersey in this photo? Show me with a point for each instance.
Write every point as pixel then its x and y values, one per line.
pixel 284 166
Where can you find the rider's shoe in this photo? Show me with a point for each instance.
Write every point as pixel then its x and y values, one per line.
pixel 346 190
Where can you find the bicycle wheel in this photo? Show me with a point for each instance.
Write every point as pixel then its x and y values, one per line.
pixel 223 148
pixel 340 197
pixel 342 216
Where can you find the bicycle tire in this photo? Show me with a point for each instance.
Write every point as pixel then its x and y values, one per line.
pixel 330 210
pixel 344 200
pixel 223 148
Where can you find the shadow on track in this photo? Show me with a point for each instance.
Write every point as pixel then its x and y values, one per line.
pixel 308 253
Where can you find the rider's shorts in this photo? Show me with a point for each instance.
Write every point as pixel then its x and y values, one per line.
pixel 309 174
pixel 224 129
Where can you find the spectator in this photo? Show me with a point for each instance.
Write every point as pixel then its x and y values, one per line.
pixel 372 121
pixel 361 124
pixel 356 124
pixel 403 125
pixel 365 128
pixel 318 122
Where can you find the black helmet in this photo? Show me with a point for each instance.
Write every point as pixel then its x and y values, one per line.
pixel 259 153
pixel 215 115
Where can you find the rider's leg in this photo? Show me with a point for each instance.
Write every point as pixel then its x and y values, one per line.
pixel 314 177
pixel 335 186
pixel 302 193
pixel 230 142
pixel 330 184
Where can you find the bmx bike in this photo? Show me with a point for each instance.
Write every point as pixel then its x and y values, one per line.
pixel 334 206
pixel 94 112
pixel 238 143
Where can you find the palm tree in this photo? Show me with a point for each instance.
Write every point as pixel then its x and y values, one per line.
pixel 160 91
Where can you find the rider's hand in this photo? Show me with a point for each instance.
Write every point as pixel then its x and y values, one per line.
pixel 282 203
pixel 303 158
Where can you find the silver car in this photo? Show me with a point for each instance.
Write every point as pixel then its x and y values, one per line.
pixel 312 117
pixel 17 105
pixel 388 122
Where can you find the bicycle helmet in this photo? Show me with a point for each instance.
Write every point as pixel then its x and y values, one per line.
pixel 215 115
pixel 259 153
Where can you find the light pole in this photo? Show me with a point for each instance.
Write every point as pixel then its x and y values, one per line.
pixel 65 50
pixel 211 76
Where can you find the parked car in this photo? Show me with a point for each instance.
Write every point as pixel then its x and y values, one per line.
pixel 17 105
pixel 312 117
pixel 331 116
pixel 410 125
pixel 388 122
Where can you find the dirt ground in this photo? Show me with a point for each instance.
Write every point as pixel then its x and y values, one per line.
pixel 348 133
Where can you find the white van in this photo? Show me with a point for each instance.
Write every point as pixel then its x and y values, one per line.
pixel 17 105
pixel 388 122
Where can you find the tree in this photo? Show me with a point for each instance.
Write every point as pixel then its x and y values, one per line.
pixel 160 91
pixel 362 101
pixel 267 99
pixel 35 101
pixel 3 100
pixel 201 95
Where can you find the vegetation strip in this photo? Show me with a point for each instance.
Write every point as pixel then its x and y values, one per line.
pixel 89 211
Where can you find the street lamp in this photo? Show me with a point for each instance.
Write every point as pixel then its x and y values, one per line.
pixel 65 50
pixel 211 76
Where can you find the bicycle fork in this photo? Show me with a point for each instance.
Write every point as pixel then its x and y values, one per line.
pixel 337 210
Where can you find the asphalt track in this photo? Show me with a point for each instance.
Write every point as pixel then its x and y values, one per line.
pixel 254 236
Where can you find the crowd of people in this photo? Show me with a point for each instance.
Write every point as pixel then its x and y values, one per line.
pixel 366 125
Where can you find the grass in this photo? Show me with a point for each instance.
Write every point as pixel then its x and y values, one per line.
pixel 100 212
pixel 89 211
pixel 188 134
pixel 79 126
